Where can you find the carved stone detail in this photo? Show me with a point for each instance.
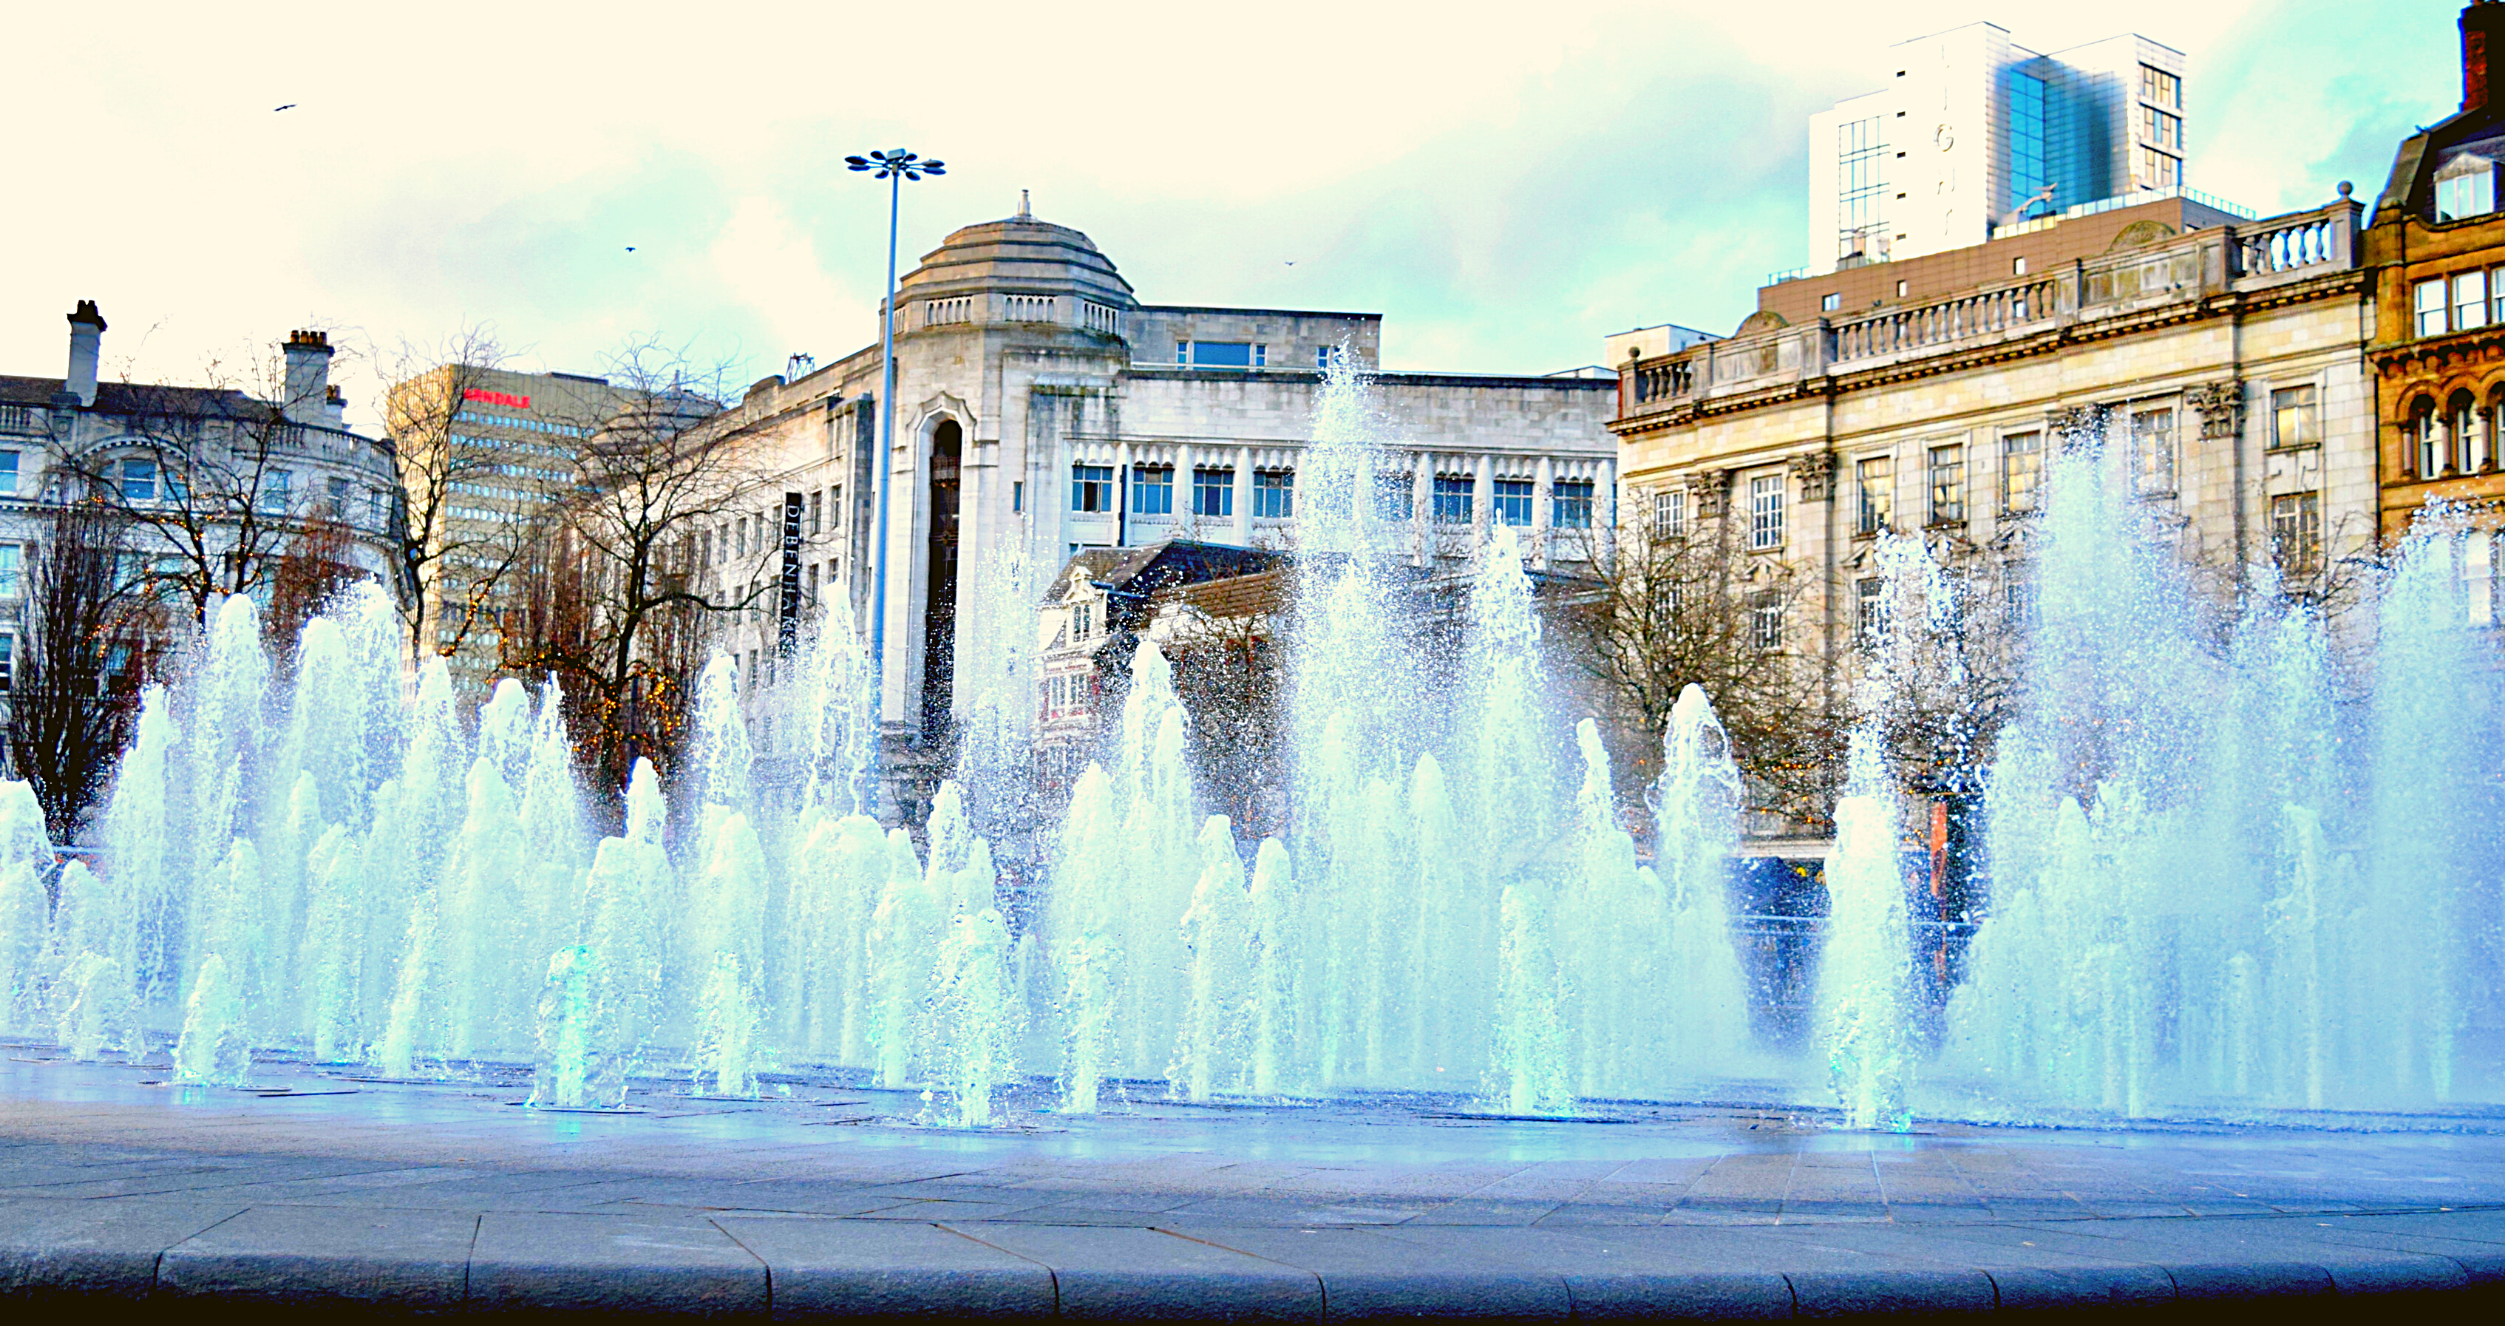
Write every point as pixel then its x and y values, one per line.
pixel 1816 473
pixel 2221 407
pixel 1713 492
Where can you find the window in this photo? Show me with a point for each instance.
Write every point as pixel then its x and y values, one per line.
pixel 1765 620
pixel 2428 300
pixel 2158 170
pixel 1152 490
pixel 2161 128
pixel 1452 498
pixel 1874 480
pixel 1948 484
pixel 2022 470
pixel 2018 266
pixel 375 506
pixel 1221 354
pixel 2156 85
pixel 2026 143
pixel 139 481
pixel 8 474
pixel 1328 357
pixel 2296 533
pixel 1902 287
pixel 1830 302
pixel 1513 502
pixel 1274 495
pixel 9 556
pixel 1213 492
pixel 1182 352
pixel 2461 429
pixel 1870 613
pixel 1392 497
pixel 1860 187
pixel 1017 495
pixel 1670 513
pixel 740 527
pixel 1570 504
pixel 1091 488
pixel 2423 439
pixel 817 510
pixel 336 507
pixel 2152 451
pixel 2470 300
pixel 2465 187
pixel 1765 511
pixel 2018 599
pixel 809 585
pixel 1079 621
pixel 2294 421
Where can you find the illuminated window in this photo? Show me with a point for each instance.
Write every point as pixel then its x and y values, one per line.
pixel 1874 478
pixel 2022 470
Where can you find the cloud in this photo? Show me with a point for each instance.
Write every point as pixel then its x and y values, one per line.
pixel 1506 185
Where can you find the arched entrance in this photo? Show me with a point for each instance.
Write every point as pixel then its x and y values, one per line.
pixel 939 612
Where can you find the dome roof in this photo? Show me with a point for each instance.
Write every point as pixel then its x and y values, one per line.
pixel 1017 254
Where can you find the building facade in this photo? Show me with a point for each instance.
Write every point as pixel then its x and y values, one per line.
pixel 217 486
pixel 2229 357
pixel 1041 407
pixel 484 452
pixel 1969 133
pixel 2438 246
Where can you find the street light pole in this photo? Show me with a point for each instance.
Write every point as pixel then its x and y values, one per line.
pixel 896 165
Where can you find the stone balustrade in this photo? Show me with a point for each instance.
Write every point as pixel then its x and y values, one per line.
pixel 2187 267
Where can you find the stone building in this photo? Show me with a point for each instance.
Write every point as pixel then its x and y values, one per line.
pixel 2438 247
pixel 1041 406
pixel 2229 355
pixel 218 484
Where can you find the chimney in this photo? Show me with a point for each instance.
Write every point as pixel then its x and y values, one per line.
pixel 334 408
pixel 86 347
pixel 308 376
pixel 2481 21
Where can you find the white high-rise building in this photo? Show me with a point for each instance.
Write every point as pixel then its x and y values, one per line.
pixel 1970 133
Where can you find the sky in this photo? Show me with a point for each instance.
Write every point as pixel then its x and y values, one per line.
pixel 1505 184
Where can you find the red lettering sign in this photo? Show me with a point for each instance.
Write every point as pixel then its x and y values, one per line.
pixel 505 398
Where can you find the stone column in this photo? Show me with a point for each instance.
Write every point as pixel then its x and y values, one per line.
pixel 1243 497
pixel 1543 510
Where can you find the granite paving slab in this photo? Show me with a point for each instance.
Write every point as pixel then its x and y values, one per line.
pixel 413 1199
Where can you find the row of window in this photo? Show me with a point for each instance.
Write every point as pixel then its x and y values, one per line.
pixel 744 536
pixel 1274 495
pixel 1245 354
pixel 2294 421
pixel 2463 302
pixel 520 424
pixel 2461 438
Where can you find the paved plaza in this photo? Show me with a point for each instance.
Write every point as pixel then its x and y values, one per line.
pixel 833 1204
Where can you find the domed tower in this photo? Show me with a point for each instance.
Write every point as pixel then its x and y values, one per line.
pixel 993 308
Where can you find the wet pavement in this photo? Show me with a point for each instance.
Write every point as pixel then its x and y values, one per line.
pixel 827 1201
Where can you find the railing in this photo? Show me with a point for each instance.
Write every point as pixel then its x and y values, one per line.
pixel 1101 317
pixel 2314 240
pixel 1793 274
pixel 1980 314
pixel 1661 382
pixel 938 311
pixel 1027 308
pixel 22 419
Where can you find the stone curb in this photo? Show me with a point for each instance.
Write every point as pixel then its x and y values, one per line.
pixel 383 1262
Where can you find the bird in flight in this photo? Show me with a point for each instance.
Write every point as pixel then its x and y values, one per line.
pixel 276 109
pixel 630 248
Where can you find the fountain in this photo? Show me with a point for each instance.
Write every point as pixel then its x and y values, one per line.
pixel 2216 886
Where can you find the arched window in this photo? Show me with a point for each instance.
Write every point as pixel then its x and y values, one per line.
pixel 2461 432
pixel 2421 439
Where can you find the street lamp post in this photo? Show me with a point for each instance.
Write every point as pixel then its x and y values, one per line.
pixel 896 165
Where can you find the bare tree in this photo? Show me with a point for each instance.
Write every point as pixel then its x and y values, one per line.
pixel 454 571
pixel 1222 637
pixel 313 567
pixel 1670 609
pixel 70 700
pixel 616 600
pixel 202 480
